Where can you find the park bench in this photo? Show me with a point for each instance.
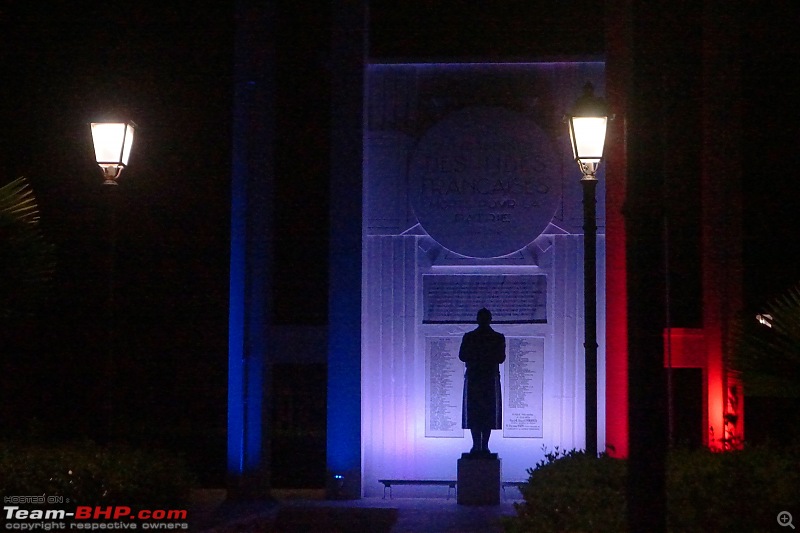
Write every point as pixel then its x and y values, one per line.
pixel 387 483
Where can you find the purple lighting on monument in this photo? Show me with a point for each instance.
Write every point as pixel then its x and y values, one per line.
pixel 454 198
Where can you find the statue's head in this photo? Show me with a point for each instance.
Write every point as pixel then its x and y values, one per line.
pixel 484 317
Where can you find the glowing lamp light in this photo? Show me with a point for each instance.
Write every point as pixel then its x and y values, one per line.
pixel 587 131
pixel 112 147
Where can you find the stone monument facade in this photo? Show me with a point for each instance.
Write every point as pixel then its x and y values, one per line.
pixel 471 200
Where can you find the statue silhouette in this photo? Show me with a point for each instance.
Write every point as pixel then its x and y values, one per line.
pixel 483 350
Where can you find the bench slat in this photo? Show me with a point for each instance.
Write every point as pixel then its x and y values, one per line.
pixel 387 483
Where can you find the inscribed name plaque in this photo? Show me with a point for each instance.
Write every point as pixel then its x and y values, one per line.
pixel 522 394
pixel 512 299
pixel 444 383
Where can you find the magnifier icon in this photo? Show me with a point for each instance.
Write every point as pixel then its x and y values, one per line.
pixel 785 519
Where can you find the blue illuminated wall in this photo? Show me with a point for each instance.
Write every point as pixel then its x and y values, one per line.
pixel 348 50
pixel 250 349
pixel 251 197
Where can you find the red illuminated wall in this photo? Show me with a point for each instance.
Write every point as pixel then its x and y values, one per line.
pixel 616 277
pixel 720 229
pixel 721 206
pixel 723 403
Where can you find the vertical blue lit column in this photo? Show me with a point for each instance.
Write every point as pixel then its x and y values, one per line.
pixel 348 51
pixel 251 201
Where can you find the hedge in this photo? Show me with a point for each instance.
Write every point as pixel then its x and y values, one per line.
pixel 90 474
pixel 706 491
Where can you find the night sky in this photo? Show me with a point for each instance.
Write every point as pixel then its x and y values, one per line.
pixel 168 66
pixel 771 151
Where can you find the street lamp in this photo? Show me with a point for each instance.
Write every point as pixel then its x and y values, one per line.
pixel 587 133
pixel 112 147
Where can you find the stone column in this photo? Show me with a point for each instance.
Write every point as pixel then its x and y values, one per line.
pixel 251 254
pixel 348 52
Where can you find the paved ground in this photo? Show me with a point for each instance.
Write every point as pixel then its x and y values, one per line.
pixel 372 515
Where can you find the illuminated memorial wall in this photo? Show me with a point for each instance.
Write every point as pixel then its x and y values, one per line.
pixel 471 199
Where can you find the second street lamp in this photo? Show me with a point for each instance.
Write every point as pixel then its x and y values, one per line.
pixel 112 147
pixel 587 133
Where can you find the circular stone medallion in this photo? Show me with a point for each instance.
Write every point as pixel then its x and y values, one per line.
pixel 484 182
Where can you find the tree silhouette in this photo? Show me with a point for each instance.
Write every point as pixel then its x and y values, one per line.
pixel 27 259
pixel 767 352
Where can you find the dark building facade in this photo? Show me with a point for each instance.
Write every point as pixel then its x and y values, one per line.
pixel 672 232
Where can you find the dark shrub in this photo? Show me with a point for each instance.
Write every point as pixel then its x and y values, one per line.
pixel 734 491
pixel 572 491
pixel 89 474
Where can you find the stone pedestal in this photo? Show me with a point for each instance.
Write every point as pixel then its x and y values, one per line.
pixel 479 479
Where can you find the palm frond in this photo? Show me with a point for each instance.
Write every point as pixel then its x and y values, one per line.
pixel 768 356
pixel 27 259
pixel 17 202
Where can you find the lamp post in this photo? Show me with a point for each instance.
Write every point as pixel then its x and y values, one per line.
pixel 112 149
pixel 587 133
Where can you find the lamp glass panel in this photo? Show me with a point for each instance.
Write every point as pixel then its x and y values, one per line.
pixel 588 137
pixel 126 152
pixel 108 138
